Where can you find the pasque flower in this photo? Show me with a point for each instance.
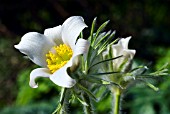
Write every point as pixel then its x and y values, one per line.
pixel 119 49
pixel 56 51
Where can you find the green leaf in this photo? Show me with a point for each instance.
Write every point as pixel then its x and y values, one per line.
pixel 105 61
pixel 100 81
pixel 98 31
pixel 82 102
pixel 105 73
pixel 164 67
pixel 79 99
pixel 81 34
pixel 162 71
pixel 58 109
pixel 87 91
pixel 63 90
pixel 103 47
pixel 139 68
pixel 152 86
pixel 98 43
pixel 92 29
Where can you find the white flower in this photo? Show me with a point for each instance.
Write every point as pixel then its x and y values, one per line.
pixel 56 50
pixel 121 48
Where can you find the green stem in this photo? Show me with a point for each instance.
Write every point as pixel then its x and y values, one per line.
pixel 87 108
pixel 116 92
pixel 62 107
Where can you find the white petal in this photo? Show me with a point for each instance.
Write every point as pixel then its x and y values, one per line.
pixel 35 46
pixel 105 53
pixel 129 53
pixel 82 47
pixel 124 42
pixel 54 34
pixel 117 50
pixel 39 72
pixel 71 29
pixel 121 48
pixel 61 77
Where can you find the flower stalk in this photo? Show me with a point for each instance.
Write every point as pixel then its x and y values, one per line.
pixel 116 94
pixel 62 107
pixel 87 108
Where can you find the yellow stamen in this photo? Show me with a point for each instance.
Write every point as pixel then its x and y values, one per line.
pixel 57 59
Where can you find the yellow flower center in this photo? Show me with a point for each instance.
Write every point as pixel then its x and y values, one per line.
pixel 58 58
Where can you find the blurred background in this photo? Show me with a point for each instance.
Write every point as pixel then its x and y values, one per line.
pixel 147 21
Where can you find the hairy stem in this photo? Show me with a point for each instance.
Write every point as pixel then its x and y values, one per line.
pixel 62 107
pixel 116 93
pixel 88 109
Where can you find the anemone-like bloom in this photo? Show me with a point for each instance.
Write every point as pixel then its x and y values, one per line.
pixel 55 51
pixel 121 48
